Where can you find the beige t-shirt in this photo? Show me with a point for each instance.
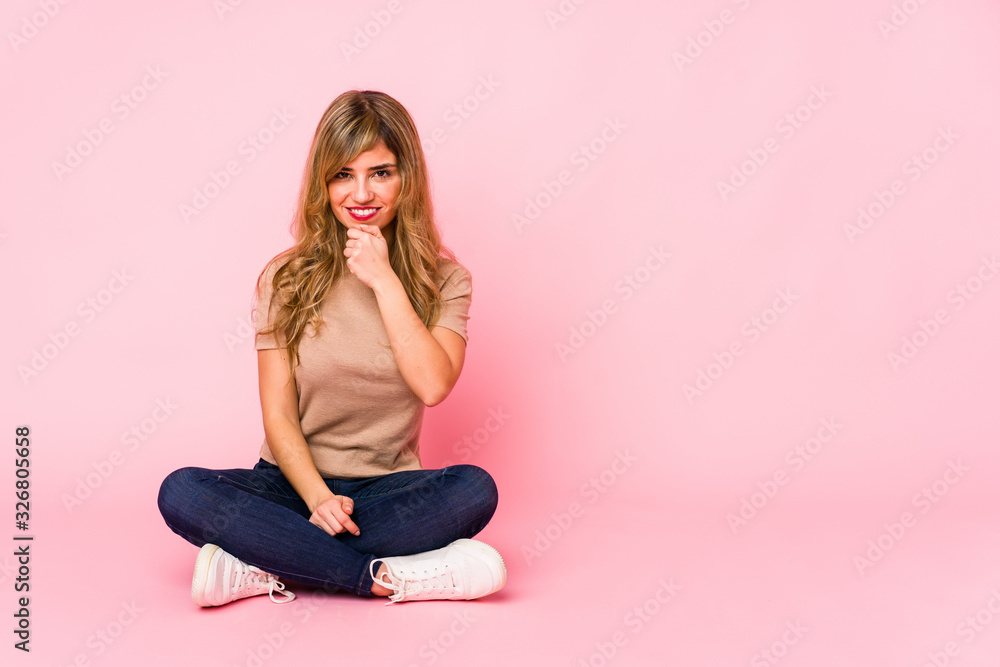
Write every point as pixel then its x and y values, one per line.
pixel 358 416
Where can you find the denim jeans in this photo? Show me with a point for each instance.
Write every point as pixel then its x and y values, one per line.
pixel 257 516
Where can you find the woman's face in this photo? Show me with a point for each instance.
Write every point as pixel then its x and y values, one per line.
pixel 365 191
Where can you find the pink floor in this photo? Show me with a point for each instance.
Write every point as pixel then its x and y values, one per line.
pixel 670 586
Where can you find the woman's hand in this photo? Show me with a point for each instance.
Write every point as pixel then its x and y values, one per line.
pixel 367 255
pixel 332 515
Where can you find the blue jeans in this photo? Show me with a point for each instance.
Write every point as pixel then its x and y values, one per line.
pixel 257 516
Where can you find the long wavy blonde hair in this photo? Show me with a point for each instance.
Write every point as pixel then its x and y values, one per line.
pixel 355 122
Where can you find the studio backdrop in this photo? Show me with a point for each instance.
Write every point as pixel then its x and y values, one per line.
pixel 732 352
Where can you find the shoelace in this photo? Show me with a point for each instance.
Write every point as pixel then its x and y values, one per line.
pixel 401 586
pixel 280 587
pixel 246 577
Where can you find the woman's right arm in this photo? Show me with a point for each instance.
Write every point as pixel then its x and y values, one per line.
pixel 279 403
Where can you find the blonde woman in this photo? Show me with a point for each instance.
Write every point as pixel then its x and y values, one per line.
pixel 360 325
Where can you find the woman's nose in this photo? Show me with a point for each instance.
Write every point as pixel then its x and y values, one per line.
pixel 362 192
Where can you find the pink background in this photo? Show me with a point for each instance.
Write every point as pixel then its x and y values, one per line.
pixel 672 469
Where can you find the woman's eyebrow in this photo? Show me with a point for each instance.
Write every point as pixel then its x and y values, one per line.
pixel 377 167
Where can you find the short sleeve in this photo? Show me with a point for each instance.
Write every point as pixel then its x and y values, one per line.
pixel 456 296
pixel 263 314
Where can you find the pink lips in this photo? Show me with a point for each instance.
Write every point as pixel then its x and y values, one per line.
pixel 362 218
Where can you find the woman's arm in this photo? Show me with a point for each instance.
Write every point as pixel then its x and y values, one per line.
pixel 279 404
pixel 430 361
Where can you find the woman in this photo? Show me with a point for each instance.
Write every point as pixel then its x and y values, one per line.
pixel 360 325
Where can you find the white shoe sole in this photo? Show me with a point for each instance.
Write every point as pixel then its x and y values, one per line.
pixel 202 564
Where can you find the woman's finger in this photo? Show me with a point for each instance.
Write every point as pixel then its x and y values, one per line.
pixel 346 523
pixel 341 511
pixel 331 528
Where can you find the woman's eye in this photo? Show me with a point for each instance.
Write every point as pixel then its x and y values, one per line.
pixel 339 176
pixel 383 173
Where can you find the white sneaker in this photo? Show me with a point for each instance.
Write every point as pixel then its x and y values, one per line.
pixel 463 570
pixel 220 577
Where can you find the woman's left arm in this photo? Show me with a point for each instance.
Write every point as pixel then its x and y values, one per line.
pixel 430 360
